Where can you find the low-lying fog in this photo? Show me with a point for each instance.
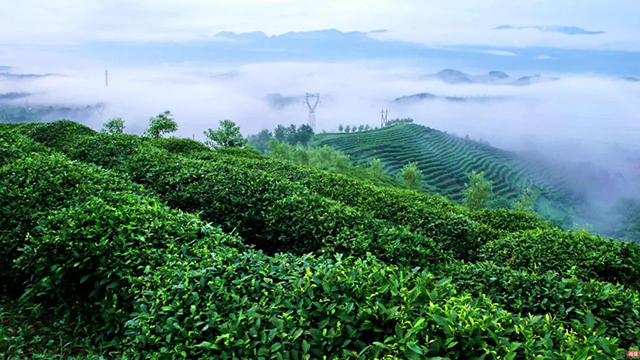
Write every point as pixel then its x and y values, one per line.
pixel 579 118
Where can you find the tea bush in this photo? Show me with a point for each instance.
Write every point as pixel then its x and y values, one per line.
pixel 570 299
pixel 254 306
pixel 576 252
pixel 178 145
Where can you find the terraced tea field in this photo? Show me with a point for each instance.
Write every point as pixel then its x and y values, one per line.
pixel 445 160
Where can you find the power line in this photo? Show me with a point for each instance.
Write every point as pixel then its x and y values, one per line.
pixel 312 101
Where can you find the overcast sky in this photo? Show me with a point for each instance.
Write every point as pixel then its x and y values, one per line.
pixel 459 22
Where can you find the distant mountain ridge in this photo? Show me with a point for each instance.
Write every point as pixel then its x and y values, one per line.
pixel 452 76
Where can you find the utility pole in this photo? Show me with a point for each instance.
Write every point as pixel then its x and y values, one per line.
pixel 385 117
pixel 312 101
pixel 106 79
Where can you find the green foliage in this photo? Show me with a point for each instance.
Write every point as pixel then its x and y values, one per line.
pixel 445 160
pixel 340 128
pixel 113 126
pixel 58 134
pixel 347 128
pixel 178 146
pixel 627 211
pixel 375 165
pixel 411 176
pixel 399 121
pixel 261 140
pixel 478 191
pixel 227 135
pixel 328 159
pixel 575 252
pixel 335 308
pixel 161 124
pixel 124 274
pixel 527 200
pixel 568 298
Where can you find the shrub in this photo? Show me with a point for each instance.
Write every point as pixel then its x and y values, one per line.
pixel 567 298
pixel 178 145
pixel 575 252
pixel 478 191
pixel 411 176
pixel 60 133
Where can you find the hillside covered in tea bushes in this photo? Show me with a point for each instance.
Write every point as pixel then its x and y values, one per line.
pixel 122 246
pixel 445 160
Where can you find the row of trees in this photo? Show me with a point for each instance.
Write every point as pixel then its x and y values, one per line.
pixel 291 135
pixel 359 128
pixel 227 135
pixel 399 121
pixel 354 128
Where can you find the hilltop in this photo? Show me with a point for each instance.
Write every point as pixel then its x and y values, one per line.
pixel 123 246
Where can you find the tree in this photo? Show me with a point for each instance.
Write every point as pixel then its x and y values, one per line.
pixel 305 133
pixel 292 135
pixel 411 176
pixel 227 135
pixel 340 128
pixel 478 191
pixel 280 133
pixel 527 200
pixel 113 126
pixel 347 129
pixel 161 124
pixel 354 128
pixel 260 140
pixel 375 167
pixel 367 127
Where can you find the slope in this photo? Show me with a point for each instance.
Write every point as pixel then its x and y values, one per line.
pixel 445 160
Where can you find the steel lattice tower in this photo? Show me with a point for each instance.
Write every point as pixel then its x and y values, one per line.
pixel 312 101
pixel 385 118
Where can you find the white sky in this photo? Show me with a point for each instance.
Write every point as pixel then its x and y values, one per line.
pixel 54 22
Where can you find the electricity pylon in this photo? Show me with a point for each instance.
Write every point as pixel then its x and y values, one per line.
pixel 312 101
pixel 385 118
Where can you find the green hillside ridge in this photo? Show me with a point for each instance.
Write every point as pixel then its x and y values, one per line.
pixel 445 160
pixel 121 246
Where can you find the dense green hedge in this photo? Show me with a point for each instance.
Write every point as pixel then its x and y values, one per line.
pixel 58 134
pixel 614 307
pixel 254 306
pixel 273 213
pixel 76 235
pixel 178 145
pixel 567 252
pixel 160 283
pixel 459 229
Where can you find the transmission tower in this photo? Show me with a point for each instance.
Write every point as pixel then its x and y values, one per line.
pixel 385 117
pixel 312 101
pixel 106 79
